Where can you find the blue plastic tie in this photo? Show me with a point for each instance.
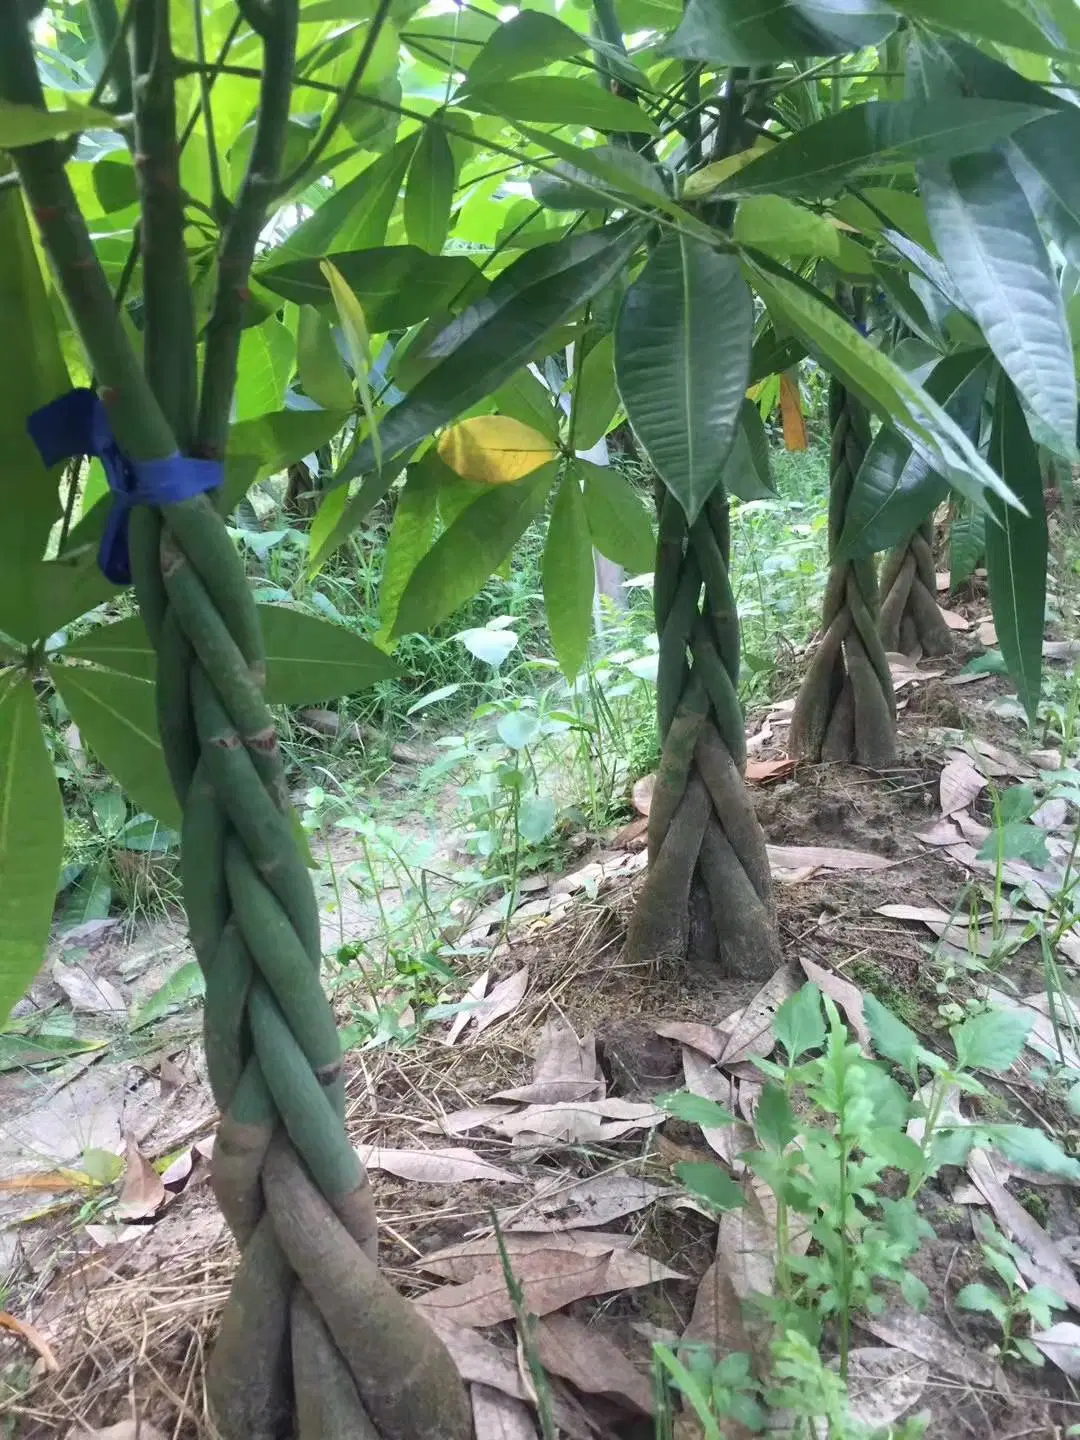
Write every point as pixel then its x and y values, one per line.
pixel 78 424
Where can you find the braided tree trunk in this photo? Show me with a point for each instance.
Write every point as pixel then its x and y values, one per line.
pixel 846 710
pixel 314 1342
pixel 910 616
pixel 708 893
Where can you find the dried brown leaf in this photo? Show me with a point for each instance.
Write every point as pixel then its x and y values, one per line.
pixel 928 915
pixel 959 785
pixel 477 1360
pixel 589 1122
pixel 848 996
pixel 584 1203
pixel 461 1262
pixel 504 999
pixel 1039 1259
pixel 33 1338
pixel 918 1335
pixel 592 1364
pixel 472 997
pixel 106 1236
pixel 705 1080
pixel 986 633
pixel 90 994
pixel 122 1430
pixel 565 1068
pixel 765 772
pixel 753 1036
pixel 941 832
pixel 953 620
pixel 642 794
pixel 1051 815
pixel 550 1278
pixel 997 763
pixel 883 1384
pixel 460 1122
pixel 498 1416
pixel 803 860
pixel 716 1319
pixel 1061 1344
pixel 707 1038
pixel 143 1193
pixel 434 1167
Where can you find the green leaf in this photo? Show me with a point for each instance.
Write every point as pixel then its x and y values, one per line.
pixel 820 159
pixel 529 41
pixel 18 1052
pixel 568 577
pixel 271 444
pixel 596 397
pixel 789 231
pixel 914 1291
pixel 124 645
pixel 90 898
pixel 1041 158
pixel 987 235
pixel 881 384
pixel 682 359
pixel 891 1037
pixel 356 216
pixel 557 100
pixel 114 183
pixel 761 32
pixel 117 717
pixel 410 535
pixel 696 1110
pixel 895 488
pixel 466 554
pixel 184 984
pixel 308 660
pixel 1026 1145
pixel 525 398
pixel 991 1040
pixel 895 1148
pixel 619 524
pixel 485 345
pixel 967 545
pixel 34 374
pixel 746 473
pixel 774 1120
pixel 31 840
pixel 711 1184
pixel 1017 549
pixel 319 363
pixel 798 1024
pixel 982 1298
pixel 429 192
pixel 263 369
pixel 398 285
pixel 1000 21
pixel 27 124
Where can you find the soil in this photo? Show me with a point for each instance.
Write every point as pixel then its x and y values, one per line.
pixel 127 1321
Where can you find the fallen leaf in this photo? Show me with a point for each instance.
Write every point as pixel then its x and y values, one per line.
pixel 47 1182
pixel 1043 1038
pixel 801 858
pixel 565 1068
pixel 764 772
pixel 959 785
pixel 747 1241
pixel 953 620
pixel 582 1204
pixel 1000 763
pixel 461 1262
pixel 1050 815
pixel 551 1279
pixel 1061 1344
pixel 434 1167
pixel 505 997
pixel 629 836
pixel 927 915
pixel 33 1338
pixel 752 1036
pixel 1046 759
pixel 707 1038
pixel 123 1430
pixel 918 1335
pixel 941 832
pixel 90 994
pixel 968 677
pixel 705 1080
pixel 591 1363
pixel 170 1076
pixel 1039 1259
pixel 763 736
pixel 943 580
pixel 105 1236
pixel 143 1193
pixel 176 1175
pixel 1061 650
pixel 589 1122
pixel 497 1416
pixel 460 1122
pixel 883 1384
pixel 716 1320
pixel 986 633
pixel 904 673
pixel 642 794
pixel 477 1360
pixel 848 996
pixel 475 994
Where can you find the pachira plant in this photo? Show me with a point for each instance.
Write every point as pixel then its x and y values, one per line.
pixel 271 227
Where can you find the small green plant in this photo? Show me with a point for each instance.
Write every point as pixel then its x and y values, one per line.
pixel 715 1389
pixel 1019 1307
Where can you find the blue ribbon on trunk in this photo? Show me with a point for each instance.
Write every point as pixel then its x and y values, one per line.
pixel 78 424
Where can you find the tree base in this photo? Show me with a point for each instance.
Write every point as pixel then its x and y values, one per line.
pixel 911 619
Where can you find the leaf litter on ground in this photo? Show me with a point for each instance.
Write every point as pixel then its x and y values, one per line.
pixel 143 1193
pixel 462 1261
pixel 752 1036
pixel 435 1166
pixel 579 1204
pixel 565 1068
pixel 592 1364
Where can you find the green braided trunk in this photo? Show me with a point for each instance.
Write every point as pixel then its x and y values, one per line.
pixel 845 709
pixel 911 620
pixel 708 896
pixel 314 1342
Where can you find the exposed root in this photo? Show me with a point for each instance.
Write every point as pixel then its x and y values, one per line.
pixel 327 1404
pixel 910 616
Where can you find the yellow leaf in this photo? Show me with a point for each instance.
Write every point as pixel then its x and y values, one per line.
pixel 703 182
pixel 354 326
pixel 791 413
pixel 494 449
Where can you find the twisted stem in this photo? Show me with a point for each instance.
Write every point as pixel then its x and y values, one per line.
pixel 845 709
pixel 911 619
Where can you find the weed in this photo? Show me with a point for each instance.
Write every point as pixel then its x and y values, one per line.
pixel 1036 1205
pixel 1020 1306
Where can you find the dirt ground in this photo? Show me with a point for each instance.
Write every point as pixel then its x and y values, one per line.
pixel 114 1319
